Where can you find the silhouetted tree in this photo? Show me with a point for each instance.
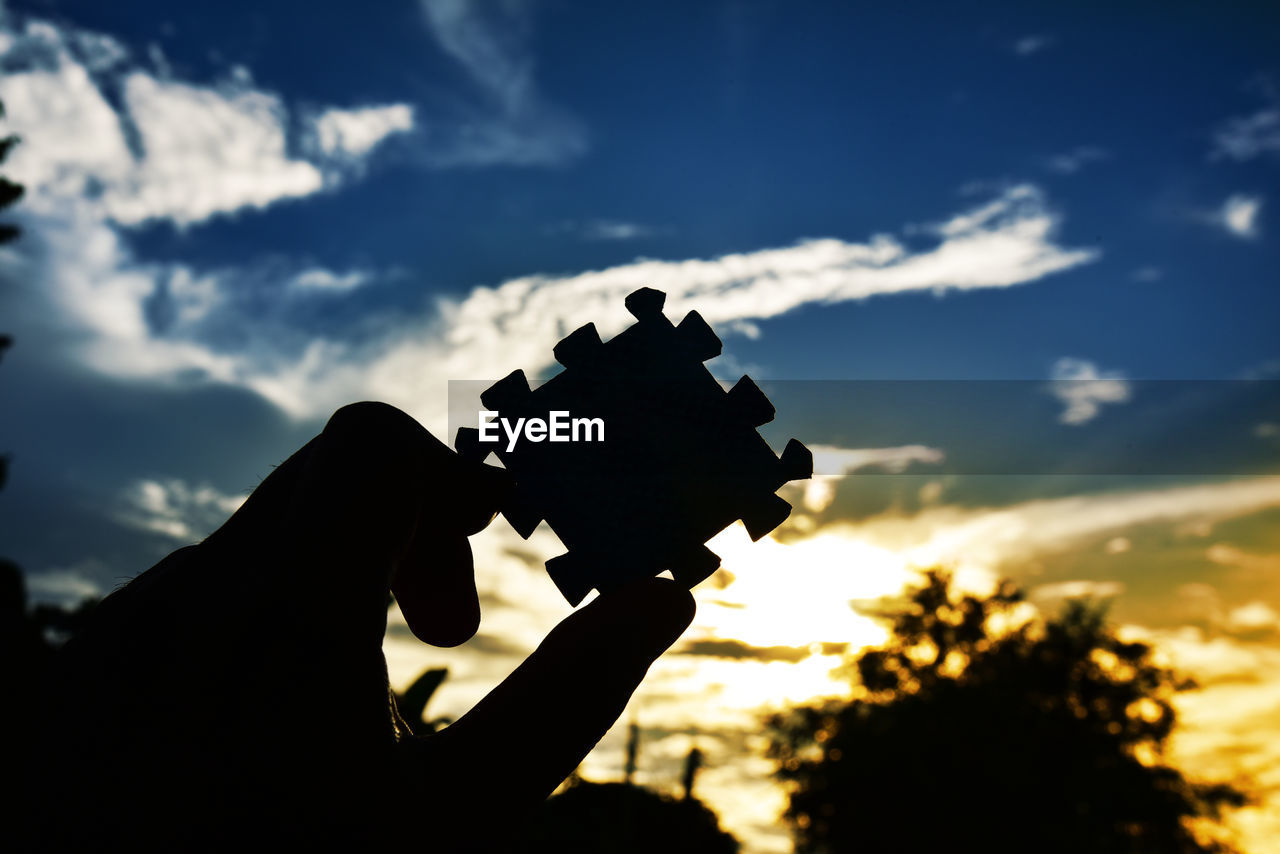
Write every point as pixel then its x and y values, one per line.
pixel 9 193
pixel 625 818
pixel 977 727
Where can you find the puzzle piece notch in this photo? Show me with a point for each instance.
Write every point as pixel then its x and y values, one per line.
pixel 749 403
pixel 699 337
pixel 509 393
pixel 694 566
pixel 646 304
pixel 764 514
pixel 521 510
pixel 579 347
pixel 468 445
pixel 796 462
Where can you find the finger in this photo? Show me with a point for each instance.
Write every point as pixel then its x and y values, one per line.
pixel 434 581
pixel 435 586
pixel 468 493
pixel 257 520
pixel 335 521
pixel 534 729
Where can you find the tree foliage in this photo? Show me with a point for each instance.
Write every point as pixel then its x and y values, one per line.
pixel 9 193
pixel 979 726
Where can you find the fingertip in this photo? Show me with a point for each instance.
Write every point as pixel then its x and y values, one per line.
pixel 436 589
pixel 650 614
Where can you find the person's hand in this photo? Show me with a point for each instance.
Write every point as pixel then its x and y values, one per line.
pixel 236 692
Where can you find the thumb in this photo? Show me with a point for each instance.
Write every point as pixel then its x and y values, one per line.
pixel 531 731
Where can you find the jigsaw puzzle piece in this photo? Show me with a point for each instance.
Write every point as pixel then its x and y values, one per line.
pixel 468 445
pixel 764 513
pixel 521 510
pixel 510 393
pixel 573 575
pixel 748 402
pixel 579 348
pixel 694 566
pixel 699 338
pixel 646 304
pixel 796 462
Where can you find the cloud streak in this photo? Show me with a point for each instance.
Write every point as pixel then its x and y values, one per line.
pixel 508 120
pixel 1084 389
pixel 222 325
pixel 1248 137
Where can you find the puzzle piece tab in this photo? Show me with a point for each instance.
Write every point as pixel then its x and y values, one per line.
pixel 679 458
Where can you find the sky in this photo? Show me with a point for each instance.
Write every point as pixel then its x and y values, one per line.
pixel 1008 268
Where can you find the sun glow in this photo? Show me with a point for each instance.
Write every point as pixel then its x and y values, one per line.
pixel 801 593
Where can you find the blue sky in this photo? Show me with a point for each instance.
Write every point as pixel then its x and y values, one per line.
pixel 242 215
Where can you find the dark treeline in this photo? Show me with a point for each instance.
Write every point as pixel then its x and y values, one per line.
pixel 978 725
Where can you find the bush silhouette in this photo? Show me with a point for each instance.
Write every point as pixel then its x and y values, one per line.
pixel 1034 735
pixel 622 818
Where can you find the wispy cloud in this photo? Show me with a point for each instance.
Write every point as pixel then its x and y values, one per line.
pixel 352 134
pixel 1010 536
pixel 1242 138
pixel 69 585
pixel 1032 44
pixel 216 327
pixel 603 229
pixel 1071 162
pixel 1045 596
pixel 320 280
pixel 1084 389
pixel 201 151
pixel 175 509
pixel 830 463
pixel 509 120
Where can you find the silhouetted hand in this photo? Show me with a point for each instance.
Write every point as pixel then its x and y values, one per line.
pixel 236 693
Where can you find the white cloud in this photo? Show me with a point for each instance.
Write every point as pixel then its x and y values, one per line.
pixel 68 585
pixel 175 509
pixel 318 279
pixel 1084 389
pixel 1239 215
pixel 1016 534
pixel 209 150
pixel 205 152
pixel 354 133
pixel 1044 595
pixel 1028 45
pixel 829 459
pixel 512 123
pixel 1247 137
pixel 1253 618
pixel 172 151
pixel 99 292
pixel 1071 162
pixel 1147 274
pixel 1118 546
pixel 1225 554
pixel 830 463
